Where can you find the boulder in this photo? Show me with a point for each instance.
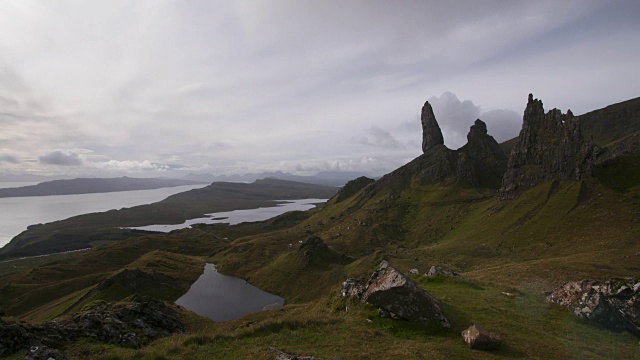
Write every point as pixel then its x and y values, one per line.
pixel 396 293
pixel 614 303
pixel 443 271
pixel 478 338
pixel 414 272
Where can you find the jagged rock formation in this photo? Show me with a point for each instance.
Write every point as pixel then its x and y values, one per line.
pixel 478 338
pixel 398 295
pixel 614 303
pixel 550 146
pixel 128 324
pixel 352 187
pixel 431 134
pixel 481 162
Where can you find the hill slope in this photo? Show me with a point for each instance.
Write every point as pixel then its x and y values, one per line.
pixel 93 185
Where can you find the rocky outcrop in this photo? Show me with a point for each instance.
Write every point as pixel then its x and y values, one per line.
pixel 352 187
pixel 478 338
pixel 434 270
pixel 43 352
pixel 314 252
pixel 550 146
pixel 127 324
pixel 398 295
pixel 13 338
pixel 431 133
pixel 614 303
pixel 353 287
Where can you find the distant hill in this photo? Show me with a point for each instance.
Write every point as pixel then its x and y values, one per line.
pixel 81 231
pixel 327 178
pixel 93 185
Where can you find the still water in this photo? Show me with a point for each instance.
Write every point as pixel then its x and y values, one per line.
pixel 19 212
pixel 221 297
pixel 237 216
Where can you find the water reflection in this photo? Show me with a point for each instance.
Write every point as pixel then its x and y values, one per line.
pixel 221 297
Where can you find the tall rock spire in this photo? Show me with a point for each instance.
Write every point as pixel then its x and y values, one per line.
pixel 431 134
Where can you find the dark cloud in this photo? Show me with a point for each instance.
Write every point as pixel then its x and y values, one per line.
pixel 9 159
pixel 60 158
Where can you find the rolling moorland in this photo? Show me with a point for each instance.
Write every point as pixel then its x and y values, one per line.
pixel 516 220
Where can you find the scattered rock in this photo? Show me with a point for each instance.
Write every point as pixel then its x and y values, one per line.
pixel 614 303
pixel 402 297
pixel 550 146
pixel 443 271
pixel 43 352
pixel 281 355
pixel 353 287
pixel 414 271
pixel 478 338
pixel 13 338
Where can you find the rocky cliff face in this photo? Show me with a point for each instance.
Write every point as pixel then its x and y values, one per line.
pixel 550 146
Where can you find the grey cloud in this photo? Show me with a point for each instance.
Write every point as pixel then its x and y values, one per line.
pixel 60 158
pixel 9 159
pixel 502 124
pixel 378 137
pixel 455 117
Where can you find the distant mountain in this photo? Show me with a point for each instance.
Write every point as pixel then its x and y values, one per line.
pixel 28 178
pixel 93 185
pixel 327 178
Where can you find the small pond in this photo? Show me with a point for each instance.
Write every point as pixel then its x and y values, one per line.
pixel 221 297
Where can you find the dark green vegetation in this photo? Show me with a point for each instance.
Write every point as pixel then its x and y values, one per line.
pixel 92 185
pixel 88 230
pixel 554 232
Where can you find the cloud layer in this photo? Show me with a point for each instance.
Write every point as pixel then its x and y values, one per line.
pixel 150 87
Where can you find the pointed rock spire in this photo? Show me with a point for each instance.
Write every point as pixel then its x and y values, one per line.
pixel 431 134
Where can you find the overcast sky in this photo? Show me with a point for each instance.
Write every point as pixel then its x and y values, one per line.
pixel 171 87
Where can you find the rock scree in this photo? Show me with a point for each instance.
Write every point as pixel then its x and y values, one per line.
pixel 398 295
pixel 614 303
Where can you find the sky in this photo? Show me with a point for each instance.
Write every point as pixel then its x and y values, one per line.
pixel 167 88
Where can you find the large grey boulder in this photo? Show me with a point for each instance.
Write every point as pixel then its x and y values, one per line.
pixel 614 303
pixel 396 293
pixel 478 338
